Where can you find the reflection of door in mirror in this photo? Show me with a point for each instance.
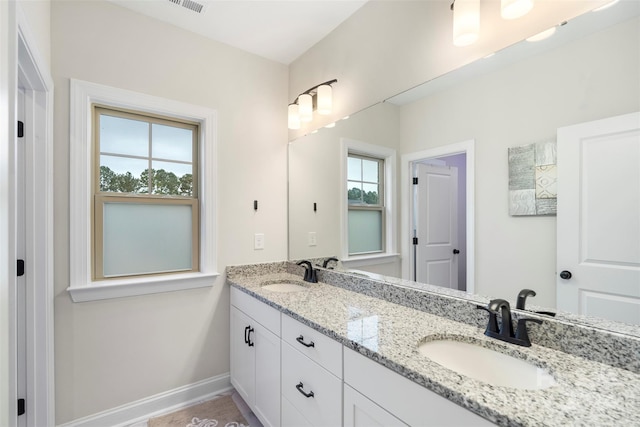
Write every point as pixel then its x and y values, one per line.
pixel 436 225
pixel 599 218
pixel 439 221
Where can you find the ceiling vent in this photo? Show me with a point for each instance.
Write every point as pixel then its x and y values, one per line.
pixel 192 5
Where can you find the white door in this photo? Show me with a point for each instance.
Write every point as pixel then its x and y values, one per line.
pixel 436 220
pixel 21 251
pixel 599 218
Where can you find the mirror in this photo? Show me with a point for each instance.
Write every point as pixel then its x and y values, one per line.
pixel 473 103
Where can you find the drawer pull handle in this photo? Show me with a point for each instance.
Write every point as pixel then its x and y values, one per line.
pixel 248 331
pixel 300 339
pixel 299 387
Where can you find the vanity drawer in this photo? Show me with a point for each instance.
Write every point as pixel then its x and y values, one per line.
pixel 322 404
pixel 324 351
pixel 267 316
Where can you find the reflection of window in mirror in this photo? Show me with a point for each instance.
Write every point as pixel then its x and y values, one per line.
pixel 366 209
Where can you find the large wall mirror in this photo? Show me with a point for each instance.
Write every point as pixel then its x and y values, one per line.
pixel 467 120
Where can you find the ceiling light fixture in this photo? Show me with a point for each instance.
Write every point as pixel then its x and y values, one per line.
pixel 466 21
pixel 318 97
pixel 512 9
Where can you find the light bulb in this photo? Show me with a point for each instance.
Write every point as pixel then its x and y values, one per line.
pixel 512 9
pixel 466 22
pixel 324 99
pixel 294 117
pixel 306 107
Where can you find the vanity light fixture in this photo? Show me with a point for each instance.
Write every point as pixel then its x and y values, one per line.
pixel 512 9
pixel 466 21
pixel 318 97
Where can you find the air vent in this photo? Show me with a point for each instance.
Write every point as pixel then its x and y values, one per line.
pixel 193 6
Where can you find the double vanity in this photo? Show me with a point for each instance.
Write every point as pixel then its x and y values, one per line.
pixel 358 351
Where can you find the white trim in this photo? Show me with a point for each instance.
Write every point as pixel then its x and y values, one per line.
pixel 83 94
pixel 156 405
pixel 8 90
pixel 366 260
pixel 389 155
pixel 38 84
pixel 143 286
pixel 466 147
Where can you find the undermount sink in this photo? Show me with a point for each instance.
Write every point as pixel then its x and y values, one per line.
pixel 487 365
pixel 284 287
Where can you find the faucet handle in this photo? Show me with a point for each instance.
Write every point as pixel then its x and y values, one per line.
pixel 521 332
pixel 492 325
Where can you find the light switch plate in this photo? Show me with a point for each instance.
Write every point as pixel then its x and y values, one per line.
pixel 313 241
pixel 258 241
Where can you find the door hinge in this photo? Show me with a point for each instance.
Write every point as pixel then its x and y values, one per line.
pixel 415 180
pixel 415 240
pixel 21 407
pixel 20 268
pixel 20 129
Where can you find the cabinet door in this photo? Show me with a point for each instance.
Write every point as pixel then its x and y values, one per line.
pixel 362 412
pixel 267 376
pixel 291 417
pixel 242 356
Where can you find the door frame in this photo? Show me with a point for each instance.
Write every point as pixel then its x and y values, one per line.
pixel 406 168
pixel 27 68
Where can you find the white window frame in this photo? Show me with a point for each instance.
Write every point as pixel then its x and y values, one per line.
pixel 82 287
pixel 390 251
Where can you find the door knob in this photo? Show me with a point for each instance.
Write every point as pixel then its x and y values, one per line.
pixel 566 275
pixel 456 252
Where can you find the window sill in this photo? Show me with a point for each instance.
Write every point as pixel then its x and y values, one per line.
pixel 108 289
pixel 364 260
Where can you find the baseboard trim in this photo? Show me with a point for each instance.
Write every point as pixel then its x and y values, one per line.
pixel 156 405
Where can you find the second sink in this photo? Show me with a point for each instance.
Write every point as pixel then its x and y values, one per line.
pixel 487 365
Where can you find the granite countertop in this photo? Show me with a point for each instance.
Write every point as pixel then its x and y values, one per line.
pixel 585 393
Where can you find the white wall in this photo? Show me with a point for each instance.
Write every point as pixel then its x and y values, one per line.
pixel 390 46
pixel 589 79
pixel 38 17
pixel 113 352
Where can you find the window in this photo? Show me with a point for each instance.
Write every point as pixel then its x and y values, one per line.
pixel 145 194
pixel 365 196
pixel 142 194
pixel 368 225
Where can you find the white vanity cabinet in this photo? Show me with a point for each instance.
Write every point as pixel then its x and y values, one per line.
pixel 375 395
pixel 311 377
pixel 255 355
pixel 359 411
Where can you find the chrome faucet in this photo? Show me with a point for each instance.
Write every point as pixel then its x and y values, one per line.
pixel 505 331
pixel 309 273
